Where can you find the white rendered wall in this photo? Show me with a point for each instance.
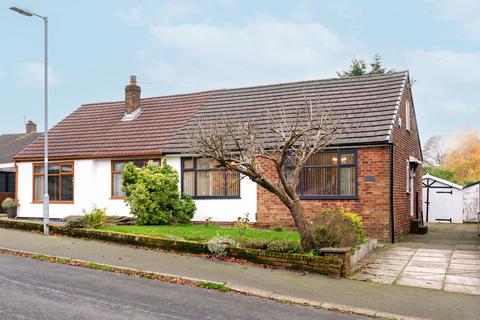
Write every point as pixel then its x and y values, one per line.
pixel 224 209
pixel 92 189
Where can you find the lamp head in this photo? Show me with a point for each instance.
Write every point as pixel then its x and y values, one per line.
pixel 24 12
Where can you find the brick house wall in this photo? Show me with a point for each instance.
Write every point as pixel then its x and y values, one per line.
pixel 373 202
pixel 406 143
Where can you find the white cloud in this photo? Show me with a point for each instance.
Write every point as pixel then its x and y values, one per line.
pixel 446 92
pixel 464 12
pixel 264 50
pixel 32 75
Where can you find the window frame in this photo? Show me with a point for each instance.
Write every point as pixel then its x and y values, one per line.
pixel 62 163
pixel 339 152
pixel 195 170
pixel 113 172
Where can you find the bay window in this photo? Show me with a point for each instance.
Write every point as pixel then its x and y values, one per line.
pixel 204 178
pixel 60 182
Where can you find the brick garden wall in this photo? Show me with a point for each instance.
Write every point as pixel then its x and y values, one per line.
pixel 373 203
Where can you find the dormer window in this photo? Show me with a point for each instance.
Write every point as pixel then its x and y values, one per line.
pixel 133 115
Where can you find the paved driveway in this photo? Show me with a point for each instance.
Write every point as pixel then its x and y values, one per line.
pixel 447 258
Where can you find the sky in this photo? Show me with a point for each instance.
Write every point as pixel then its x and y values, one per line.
pixel 188 46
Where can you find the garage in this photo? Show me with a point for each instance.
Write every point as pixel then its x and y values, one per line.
pixel 443 200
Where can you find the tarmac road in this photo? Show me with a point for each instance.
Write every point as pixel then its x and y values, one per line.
pixel 31 289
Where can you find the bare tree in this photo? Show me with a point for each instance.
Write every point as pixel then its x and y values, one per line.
pixel 282 138
pixel 435 150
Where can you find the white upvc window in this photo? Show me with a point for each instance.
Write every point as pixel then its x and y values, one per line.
pixel 407 115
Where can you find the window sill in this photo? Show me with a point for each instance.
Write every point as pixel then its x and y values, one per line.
pixel 329 197
pixel 215 198
pixel 118 198
pixel 53 202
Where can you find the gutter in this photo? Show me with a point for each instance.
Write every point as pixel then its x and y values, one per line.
pixel 392 216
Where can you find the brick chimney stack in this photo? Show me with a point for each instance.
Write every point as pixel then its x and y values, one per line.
pixel 31 127
pixel 132 95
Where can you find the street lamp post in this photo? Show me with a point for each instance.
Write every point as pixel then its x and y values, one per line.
pixel 46 215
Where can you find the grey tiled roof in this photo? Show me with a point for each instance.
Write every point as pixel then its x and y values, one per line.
pixel 11 144
pixel 366 104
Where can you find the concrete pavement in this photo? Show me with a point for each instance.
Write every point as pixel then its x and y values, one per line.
pixel 31 289
pixel 411 301
pixel 447 258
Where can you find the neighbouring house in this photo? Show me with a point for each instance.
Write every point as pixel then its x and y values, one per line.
pixel 445 201
pixel 372 169
pixel 10 145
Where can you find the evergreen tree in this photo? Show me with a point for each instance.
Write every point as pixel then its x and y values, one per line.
pixel 376 66
pixel 359 68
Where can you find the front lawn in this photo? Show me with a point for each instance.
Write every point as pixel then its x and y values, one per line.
pixel 204 232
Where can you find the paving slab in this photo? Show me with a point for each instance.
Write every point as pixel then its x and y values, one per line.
pixel 430 253
pixel 381 272
pixel 385 266
pixel 421 283
pixel 423 276
pixel 465 261
pixel 425 270
pixel 384 260
pixel 447 258
pixel 466 267
pixel 430 259
pixel 471 281
pixel 462 288
pixel 428 264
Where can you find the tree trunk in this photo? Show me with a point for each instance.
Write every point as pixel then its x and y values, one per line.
pixel 302 226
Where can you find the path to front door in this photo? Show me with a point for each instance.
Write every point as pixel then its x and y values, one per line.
pixel 447 258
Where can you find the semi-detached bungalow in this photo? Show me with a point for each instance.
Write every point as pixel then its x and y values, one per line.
pixel 373 169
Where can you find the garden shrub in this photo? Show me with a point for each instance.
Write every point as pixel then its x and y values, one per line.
pixel 153 196
pixel 9 203
pixel 75 222
pixel 337 228
pixel 95 219
pixel 218 246
pixel 242 224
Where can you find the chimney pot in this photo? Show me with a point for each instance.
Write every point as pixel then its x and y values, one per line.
pixel 132 95
pixel 31 127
